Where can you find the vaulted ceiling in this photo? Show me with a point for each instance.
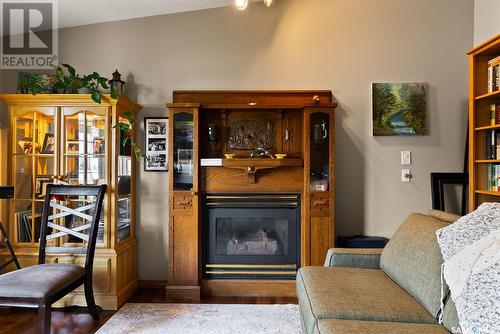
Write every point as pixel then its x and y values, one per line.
pixel 81 12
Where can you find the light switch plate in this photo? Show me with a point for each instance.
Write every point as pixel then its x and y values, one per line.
pixel 405 158
pixel 406 175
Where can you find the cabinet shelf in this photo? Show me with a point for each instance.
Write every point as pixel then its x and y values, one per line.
pixel 488 127
pixel 39 155
pixel 487 161
pixel 489 96
pixel 485 192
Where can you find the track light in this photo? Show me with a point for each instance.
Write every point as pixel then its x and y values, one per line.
pixel 241 4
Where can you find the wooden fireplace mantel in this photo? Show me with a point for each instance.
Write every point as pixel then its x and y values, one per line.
pixel 252 165
pixel 299 124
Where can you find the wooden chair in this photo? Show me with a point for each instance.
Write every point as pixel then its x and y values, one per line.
pixel 42 285
pixel 13 258
pixel 7 192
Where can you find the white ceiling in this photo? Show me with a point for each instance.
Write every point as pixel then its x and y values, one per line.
pixel 81 12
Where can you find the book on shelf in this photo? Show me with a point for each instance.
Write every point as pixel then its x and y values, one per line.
pixel 494 113
pixel 493 177
pixel 494 74
pixel 492 141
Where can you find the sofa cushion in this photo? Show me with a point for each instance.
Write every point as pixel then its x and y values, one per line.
pixel 353 257
pixel 450 317
pixel 413 259
pixel 447 217
pixel 39 281
pixel 372 327
pixel 354 294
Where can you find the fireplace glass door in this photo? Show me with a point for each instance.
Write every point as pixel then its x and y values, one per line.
pixel 252 236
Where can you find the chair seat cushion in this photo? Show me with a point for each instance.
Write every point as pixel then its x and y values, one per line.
pixel 39 281
pixel 372 327
pixel 355 294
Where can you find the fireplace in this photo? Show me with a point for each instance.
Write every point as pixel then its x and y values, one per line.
pixel 251 236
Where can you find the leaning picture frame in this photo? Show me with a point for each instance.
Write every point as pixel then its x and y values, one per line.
pixel 41 182
pixel 49 144
pixel 156 144
pixel 72 147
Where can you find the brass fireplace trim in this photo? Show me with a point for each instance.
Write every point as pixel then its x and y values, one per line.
pixel 255 203
pixel 229 272
pixel 253 266
pixel 253 196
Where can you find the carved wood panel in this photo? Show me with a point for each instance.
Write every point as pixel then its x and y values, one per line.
pixel 320 203
pixel 249 134
pixel 182 202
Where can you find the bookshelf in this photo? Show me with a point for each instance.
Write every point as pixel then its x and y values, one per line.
pixel 484 130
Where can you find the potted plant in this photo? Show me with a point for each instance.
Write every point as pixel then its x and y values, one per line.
pixel 95 83
pixel 67 84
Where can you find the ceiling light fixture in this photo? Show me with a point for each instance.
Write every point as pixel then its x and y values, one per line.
pixel 268 2
pixel 241 4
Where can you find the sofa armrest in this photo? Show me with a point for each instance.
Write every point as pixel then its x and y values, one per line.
pixel 354 257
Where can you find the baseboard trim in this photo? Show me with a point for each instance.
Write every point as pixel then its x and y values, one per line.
pixel 147 284
pixel 248 288
pixel 183 292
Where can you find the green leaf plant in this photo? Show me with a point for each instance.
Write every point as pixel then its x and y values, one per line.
pixel 126 127
pixel 31 83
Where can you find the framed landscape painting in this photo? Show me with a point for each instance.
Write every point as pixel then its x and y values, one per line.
pixel 399 109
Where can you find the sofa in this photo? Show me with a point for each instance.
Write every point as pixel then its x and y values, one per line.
pixel 394 290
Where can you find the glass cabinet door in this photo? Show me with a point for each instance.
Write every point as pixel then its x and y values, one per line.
pixel 124 189
pixel 34 167
pixel 84 148
pixel 183 151
pixel 319 151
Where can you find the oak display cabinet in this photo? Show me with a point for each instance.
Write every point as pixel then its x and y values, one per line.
pixel 71 138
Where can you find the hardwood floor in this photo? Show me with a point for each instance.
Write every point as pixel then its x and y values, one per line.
pixel 78 321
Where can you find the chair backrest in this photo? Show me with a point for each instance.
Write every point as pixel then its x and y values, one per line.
pixel 13 258
pixel 54 199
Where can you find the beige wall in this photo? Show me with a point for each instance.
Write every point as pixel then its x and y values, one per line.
pixel 486 20
pixel 296 44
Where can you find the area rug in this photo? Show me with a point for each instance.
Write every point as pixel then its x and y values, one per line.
pixel 204 319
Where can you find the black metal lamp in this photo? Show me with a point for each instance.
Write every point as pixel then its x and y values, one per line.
pixel 117 84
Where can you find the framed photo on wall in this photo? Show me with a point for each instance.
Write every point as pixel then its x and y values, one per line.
pixel 156 144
